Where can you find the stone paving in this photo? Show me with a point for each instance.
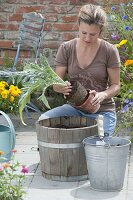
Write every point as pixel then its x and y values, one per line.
pixel 39 188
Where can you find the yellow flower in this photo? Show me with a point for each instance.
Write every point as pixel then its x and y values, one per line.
pixel 12 99
pixel 8 95
pixel 5 94
pixel 117 45
pixel 14 91
pixel 121 43
pixel 4 83
pixel 128 62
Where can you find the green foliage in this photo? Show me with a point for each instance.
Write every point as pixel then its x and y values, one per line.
pixel 34 77
pixel 122 33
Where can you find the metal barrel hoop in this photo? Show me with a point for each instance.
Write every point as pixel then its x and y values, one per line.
pixel 11 128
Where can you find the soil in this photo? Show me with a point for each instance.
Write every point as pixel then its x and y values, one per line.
pixel 78 94
pixel 67 127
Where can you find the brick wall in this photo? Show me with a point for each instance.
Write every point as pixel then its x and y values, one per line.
pixel 61 23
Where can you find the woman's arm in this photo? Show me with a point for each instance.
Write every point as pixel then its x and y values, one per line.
pixel 61 72
pixel 114 86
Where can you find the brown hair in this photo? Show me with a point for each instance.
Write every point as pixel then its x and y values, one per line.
pixel 92 14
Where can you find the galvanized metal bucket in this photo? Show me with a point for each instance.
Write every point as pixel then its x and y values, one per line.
pixel 7 138
pixel 106 162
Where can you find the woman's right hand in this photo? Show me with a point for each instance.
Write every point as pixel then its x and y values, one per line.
pixel 63 89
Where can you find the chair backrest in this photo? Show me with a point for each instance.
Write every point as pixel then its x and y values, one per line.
pixel 30 34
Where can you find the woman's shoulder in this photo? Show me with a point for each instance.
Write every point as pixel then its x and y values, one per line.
pixel 108 45
pixel 70 43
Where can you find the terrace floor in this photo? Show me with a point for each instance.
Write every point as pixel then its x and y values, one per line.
pixel 39 188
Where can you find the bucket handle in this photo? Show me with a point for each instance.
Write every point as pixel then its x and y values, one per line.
pixel 11 128
pixel 100 126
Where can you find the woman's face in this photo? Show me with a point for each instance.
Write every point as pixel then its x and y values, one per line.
pixel 89 33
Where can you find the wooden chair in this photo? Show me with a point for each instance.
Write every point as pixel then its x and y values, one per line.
pixel 30 35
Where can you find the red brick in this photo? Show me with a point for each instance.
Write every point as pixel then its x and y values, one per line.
pixel 47 27
pixel 10 53
pixel 8 27
pixel 68 36
pixel 6 43
pixel 65 27
pixel 51 17
pixel 74 2
pixel 26 9
pixel 3 27
pixel 69 18
pixel 15 17
pixel 58 9
pixel 12 27
pixel 57 2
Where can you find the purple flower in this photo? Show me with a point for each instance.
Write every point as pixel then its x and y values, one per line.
pixel 125 108
pixel 115 37
pixel 124 17
pixel 127 28
pixel 131 103
pixel 126 101
pixel 24 170
pixel 126 78
pixel 113 8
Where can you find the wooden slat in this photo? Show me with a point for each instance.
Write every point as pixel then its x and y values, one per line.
pixel 25 36
pixel 32 25
pixel 25 29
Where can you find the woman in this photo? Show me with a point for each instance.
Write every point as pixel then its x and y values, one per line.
pixel 95 63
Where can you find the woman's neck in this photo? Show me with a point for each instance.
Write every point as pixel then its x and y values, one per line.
pixel 87 46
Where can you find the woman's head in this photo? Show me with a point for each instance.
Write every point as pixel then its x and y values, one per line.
pixel 92 15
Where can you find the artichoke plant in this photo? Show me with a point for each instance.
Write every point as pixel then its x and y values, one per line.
pixel 34 77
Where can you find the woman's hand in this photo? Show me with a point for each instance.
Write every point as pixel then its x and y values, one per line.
pixel 63 89
pixel 98 97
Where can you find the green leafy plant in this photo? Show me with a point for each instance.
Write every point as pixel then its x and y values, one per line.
pixel 122 28
pixel 12 176
pixel 34 77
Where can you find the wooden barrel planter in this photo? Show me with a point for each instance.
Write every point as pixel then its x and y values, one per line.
pixel 61 150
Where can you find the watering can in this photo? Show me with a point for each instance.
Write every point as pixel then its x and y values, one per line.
pixel 7 138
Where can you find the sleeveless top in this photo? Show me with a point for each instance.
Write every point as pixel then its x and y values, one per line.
pixel 94 76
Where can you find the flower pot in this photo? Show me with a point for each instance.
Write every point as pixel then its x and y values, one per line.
pixel 81 98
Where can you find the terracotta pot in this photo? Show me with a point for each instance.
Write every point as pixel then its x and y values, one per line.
pixel 86 106
pixel 78 93
pixel 81 98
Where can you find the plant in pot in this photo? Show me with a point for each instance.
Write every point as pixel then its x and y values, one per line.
pixel 81 98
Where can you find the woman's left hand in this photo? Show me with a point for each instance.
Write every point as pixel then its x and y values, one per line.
pixel 98 97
